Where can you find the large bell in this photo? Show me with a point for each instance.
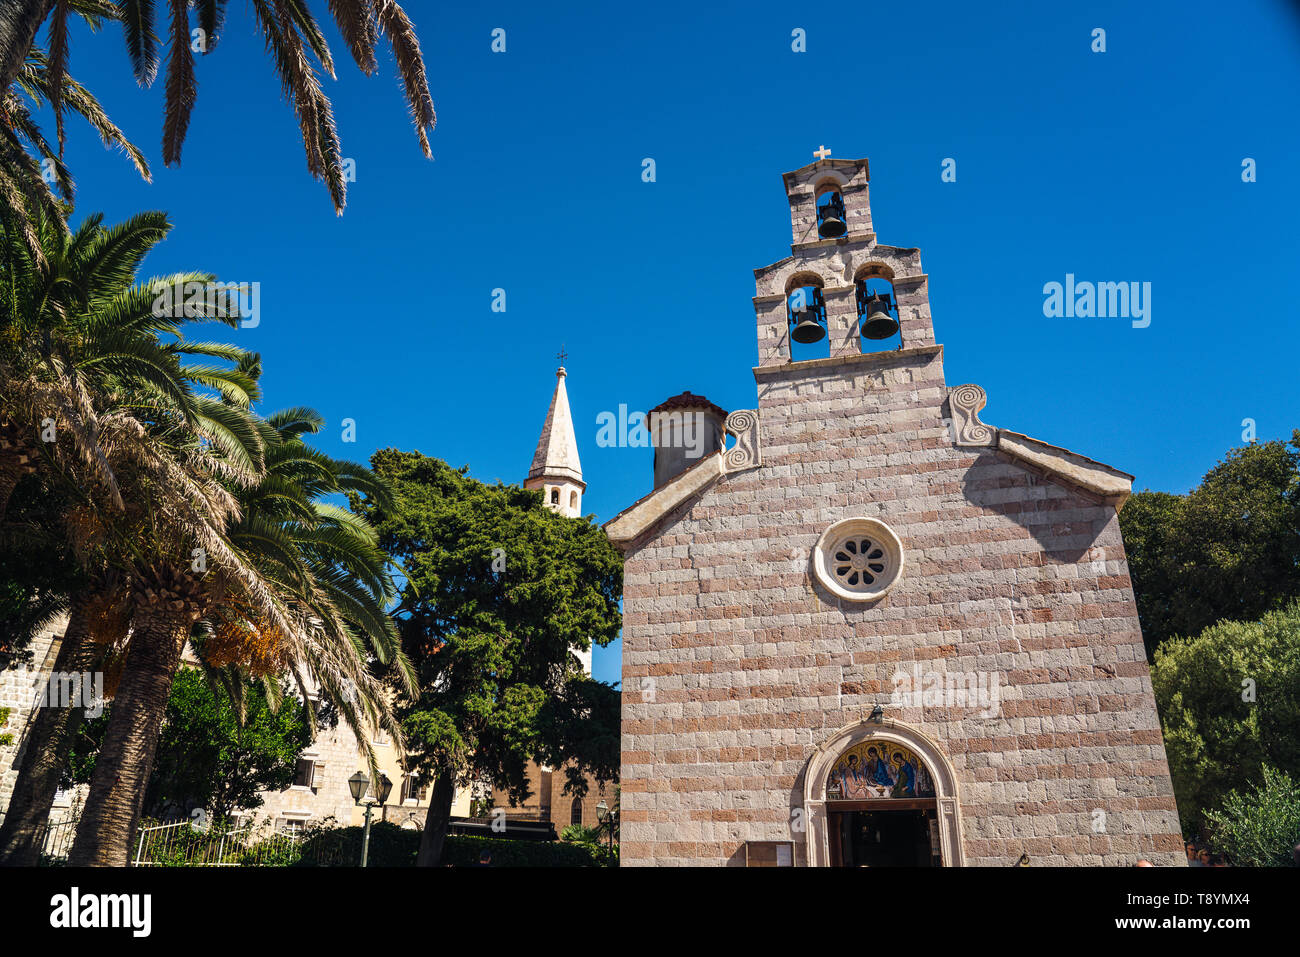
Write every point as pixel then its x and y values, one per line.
pixel 832 225
pixel 831 217
pixel 878 323
pixel 808 330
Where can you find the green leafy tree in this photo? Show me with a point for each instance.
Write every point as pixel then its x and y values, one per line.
pixel 1259 826
pixel 499 594
pixel 1228 549
pixel 211 758
pixel 1229 701
pixel 209 754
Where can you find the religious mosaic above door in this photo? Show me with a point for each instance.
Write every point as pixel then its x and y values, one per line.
pixel 878 770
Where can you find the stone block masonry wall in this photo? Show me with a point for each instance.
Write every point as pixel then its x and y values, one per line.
pixel 19 690
pixel 737 664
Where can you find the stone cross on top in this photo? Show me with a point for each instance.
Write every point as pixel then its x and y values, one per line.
pixel 821 152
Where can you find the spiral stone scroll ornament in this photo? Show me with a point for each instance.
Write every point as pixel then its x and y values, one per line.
pixel 743 424
pixel 966 402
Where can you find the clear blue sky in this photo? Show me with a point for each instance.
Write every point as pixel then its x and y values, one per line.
pixel 1118 166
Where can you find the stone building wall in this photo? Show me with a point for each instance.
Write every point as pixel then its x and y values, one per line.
pixel 20 688
pixel 737 664
pixel 548 801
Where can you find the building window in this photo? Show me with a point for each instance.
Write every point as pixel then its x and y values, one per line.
pixel 555 496
pixel 411 790
pixel 859 559
pixel 575 813
pixel 305 773
pixel 573 500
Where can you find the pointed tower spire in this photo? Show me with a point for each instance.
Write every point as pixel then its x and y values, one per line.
pixel 556 468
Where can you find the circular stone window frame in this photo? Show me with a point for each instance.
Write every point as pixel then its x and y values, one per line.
pixel 833 539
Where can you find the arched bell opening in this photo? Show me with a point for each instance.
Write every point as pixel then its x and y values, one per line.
pixel 832 220
pixel 878 316
pixel 806 317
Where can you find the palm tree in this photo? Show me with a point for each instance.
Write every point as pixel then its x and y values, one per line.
pixel 80 336
pixel 155 468
pixel 75 324
pixel 34 181
pixel 295 584
pixel 326 563
pixel 294 41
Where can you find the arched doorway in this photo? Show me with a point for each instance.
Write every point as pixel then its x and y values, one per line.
pixel 881 794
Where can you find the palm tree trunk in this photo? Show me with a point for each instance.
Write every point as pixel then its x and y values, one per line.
pixel 19 21
pixel 9 479
pixel 117 786
pixel 435 822
pixel 15 461
pixel 45 750
pixel 14 468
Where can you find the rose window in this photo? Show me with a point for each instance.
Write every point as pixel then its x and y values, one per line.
pixel 858 559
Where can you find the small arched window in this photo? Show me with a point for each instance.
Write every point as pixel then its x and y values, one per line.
pixel 555 496
pixel 575 812
pixel 573 500
pixel 806 316
pixel 878 315
pixel 832 222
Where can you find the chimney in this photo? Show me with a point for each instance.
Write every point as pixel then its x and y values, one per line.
pixel 683 430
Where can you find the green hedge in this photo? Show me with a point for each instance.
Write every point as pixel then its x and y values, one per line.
pixel 391 846
pixel 463 850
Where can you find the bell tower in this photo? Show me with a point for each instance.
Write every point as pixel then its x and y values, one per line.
pixel 556 470
pixel 839 283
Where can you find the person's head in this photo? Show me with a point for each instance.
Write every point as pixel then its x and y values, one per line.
pixel 1144 863
pixel 485 856
pixel 1203 856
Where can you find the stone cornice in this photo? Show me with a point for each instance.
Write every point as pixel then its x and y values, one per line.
pixel 635 520
pixel 867 359
pixel 1110 484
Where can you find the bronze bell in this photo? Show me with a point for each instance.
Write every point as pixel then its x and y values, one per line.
pixel 832 227
pixel 830 218
pixel 878 323
pixel 808 330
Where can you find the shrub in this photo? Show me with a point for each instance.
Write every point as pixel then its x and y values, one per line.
pixel 463 850
pixel 327 845
pixel 1259 827
pixel 1229 707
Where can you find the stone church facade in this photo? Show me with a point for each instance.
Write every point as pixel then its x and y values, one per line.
pixel 870 570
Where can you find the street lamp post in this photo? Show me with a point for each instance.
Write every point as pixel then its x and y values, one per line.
pixel 359 785
pixel 603 815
